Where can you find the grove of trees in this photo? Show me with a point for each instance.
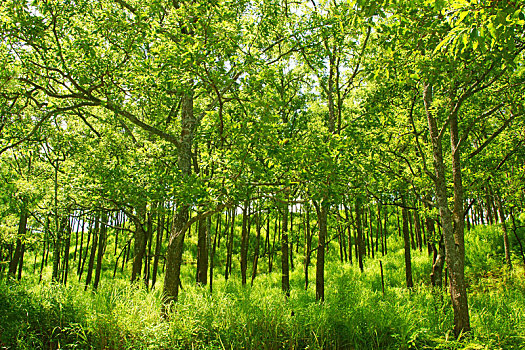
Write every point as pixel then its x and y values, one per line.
pixel 128 127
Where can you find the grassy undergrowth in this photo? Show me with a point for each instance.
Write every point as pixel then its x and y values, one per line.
pixel 355 315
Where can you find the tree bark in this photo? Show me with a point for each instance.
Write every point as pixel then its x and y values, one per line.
pixel 158 245
pixel 360 244
pixel 258 225
pixel 244 241
pixel 322 214
pixel 285 266
pixel 175 246
pixel 506 242
pixel 229 245
pixel 92 253
pixel 436 276
pixel 307 248
pixel 22 229
pixel 202 253
pixel 100 253
pixel 139 247
pixel 452 223
pixel 65 264
pixel 406 238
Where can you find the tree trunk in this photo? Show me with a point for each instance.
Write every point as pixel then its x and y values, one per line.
pixel 101 243
pixel 307 248
pixel 229 246
pixel 360 244
pixel 244 241
pixel 258 225
pixel 13 264
pixel 158 245
pixel 21 262
pixel 65 264
pixel 174 258
pixel 140 237
pixel 436 276
pixel 452 223
pixel 147 246
pixel 202 253
pixel 417 227
pixel 406 238
pixel 322 214
pixel 285 267
pixel 214 248
pixel 175 246
pixel 347 215
pixel 92 253
pixel 506 242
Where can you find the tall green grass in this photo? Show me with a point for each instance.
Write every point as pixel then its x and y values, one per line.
pixel 355 314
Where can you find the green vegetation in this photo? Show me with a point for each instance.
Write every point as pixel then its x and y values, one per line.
pixel 355 314
pixel 262 174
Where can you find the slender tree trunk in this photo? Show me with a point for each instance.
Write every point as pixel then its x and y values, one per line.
pixel 149 239
pixel 378 228
pixel 436 276
pixel 419 240
pixel 101 242
pixel 218 229
pixel 13 264
pixel 174 252
pixel 385 230
pixel 406 238
pixel 258 225
pixel 158 244
pixel 285 267
pixel 506 242
pixel 79 263
pixel 348 228
pixel 65 264
pixel 92 253
pixel 21 262
pixel 244 241
pixel 229 246
pixel 359 228
pixel 322 214
pixel 307 248
pixel 202 253
pixel 291 239
pixel 139 247
pixel 452 223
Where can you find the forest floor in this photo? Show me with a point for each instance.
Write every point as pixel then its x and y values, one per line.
pixel 355 315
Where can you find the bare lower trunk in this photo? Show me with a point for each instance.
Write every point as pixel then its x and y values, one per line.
pixel 307 248
pixel 174 257
pixel 506 242
pixel 452 222
pixel 257 246
pixel 202 253
pixel 92 253
pixel 436 276
pixel 322 214
pixel 360 244
pixel 244 242
pixel 100 254
pixel 408 260
pixel 140 242
pixel 285 266
pixel 175 246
